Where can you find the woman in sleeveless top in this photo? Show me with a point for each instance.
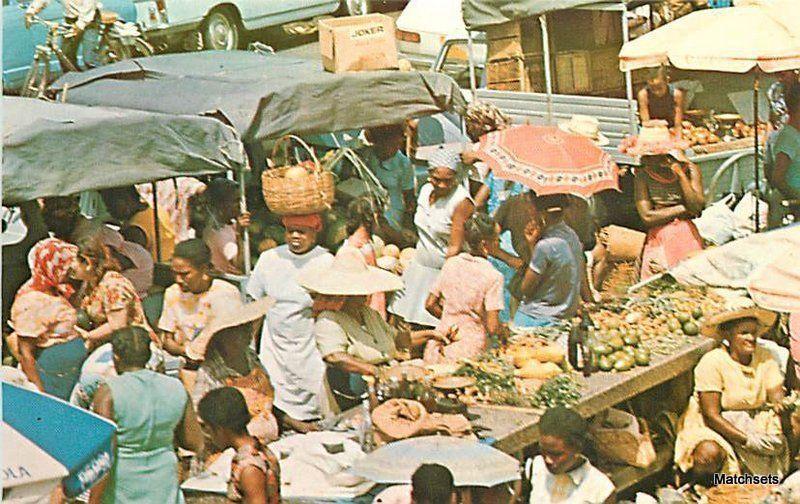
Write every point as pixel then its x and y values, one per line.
pixel 150 411
pixel 442 209
pixel 658 101
pixel 669 193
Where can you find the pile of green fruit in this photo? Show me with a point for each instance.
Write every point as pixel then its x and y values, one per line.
pixel 617 350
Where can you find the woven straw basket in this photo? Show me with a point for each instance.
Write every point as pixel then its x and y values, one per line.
pixel 298 195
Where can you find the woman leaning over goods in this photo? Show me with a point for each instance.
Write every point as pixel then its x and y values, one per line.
pixel 442 209
pixel 191 300
pixel 467 295
pixel 151 411
pixel 732 424
pixel 223 347
pixel 109 299
pixel 50 349
pixel 669 193
pixel 287 348
pixel 352 338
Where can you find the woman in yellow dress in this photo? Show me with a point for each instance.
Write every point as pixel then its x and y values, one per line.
pixel 732 424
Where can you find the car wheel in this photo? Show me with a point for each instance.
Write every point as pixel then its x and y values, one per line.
pixel 356 7
pixel 220 31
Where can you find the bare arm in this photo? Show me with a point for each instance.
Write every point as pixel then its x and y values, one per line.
pixel 347 362
pixel 586 291
pixel 103 405
pixel 529 282
pixel 651 216
pixel 711 408
pixel 779 171
pixel 691 186
pixel 173 343
pixel 27 360
pixel 462 213
pixel 493 326
pixel 644 105
pixel 776 395
pixel 117 319
pixel 253 484
pixel 434 305
pixel 189 434
pixel 678 109
pixel 482 196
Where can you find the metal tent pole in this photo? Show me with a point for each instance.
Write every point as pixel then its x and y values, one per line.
pixel 243 208
pixel 156 222
pixel 756 159
pixel 548 78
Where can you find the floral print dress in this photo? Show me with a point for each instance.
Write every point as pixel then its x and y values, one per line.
pixel 113 293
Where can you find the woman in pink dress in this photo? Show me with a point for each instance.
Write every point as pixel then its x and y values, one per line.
pixel 467 297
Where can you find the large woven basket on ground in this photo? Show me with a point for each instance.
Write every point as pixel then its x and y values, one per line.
pixel 738 494
pixel 301 195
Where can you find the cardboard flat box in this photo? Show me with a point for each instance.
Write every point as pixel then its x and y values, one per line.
pixel 358 43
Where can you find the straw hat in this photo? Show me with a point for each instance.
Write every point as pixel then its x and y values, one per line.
pixel 654 139
pixel 230 314
pixel 585 126
pixel 766 319
pixel 349 275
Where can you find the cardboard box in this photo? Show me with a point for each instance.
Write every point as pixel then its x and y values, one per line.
pixel 358 43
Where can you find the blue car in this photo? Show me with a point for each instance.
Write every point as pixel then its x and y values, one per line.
pixel 19 44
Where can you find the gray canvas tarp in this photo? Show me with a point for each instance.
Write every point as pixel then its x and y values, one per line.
pixel 264 96
pixel 55 149
pixel 482 13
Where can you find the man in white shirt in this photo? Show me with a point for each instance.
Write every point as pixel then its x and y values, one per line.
pixel 77 13
pixel 561 474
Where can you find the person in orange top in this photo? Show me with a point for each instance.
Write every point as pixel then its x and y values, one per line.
pixel 137 221
pixel 50 350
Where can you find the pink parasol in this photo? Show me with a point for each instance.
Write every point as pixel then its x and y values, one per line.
pixel 549 160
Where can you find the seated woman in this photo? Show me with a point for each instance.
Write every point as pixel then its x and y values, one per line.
pixel 227 360
pixel 352 338
pixel 190 301
pixel 50 349
pixel 555 281
pixel 361 221
pixel 561 473
pixel 669 193
pixel 468 295
pixel 255 471
pixel 726 428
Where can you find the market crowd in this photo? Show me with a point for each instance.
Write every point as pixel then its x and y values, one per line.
pixel 90 325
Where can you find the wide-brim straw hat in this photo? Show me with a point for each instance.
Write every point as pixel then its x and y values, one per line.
pixel 585 126
pixel 348 275
pixel 765 318
pixel 231 314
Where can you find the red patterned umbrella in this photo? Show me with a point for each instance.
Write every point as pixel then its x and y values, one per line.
pixel 549 160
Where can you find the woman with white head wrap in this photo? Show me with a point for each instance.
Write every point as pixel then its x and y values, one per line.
pixel 443 207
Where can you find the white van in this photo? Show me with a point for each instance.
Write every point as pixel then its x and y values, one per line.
pixel 424 26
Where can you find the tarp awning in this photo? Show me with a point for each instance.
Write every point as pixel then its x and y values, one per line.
pixel 482 13
pixel 56 149
pixel 263 96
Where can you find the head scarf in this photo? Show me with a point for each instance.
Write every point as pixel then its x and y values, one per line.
pixel 445 158
pixel 311 221
pixel 486 117
pixel 50 261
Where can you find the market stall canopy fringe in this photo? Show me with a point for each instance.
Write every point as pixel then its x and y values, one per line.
pixel 264 96
pixel 56 149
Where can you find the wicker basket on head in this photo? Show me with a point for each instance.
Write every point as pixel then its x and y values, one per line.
pixel 298 195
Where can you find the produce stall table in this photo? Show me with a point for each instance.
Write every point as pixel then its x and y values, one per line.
pixel 514 429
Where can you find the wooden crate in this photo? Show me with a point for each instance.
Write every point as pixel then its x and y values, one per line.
pixel 605 72
pixel 573 72
pixel 534 65
pixel 504 48
pixel 505 30
pixel 508 75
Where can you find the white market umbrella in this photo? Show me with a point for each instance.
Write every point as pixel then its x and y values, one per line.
pixel 471 463
pixel 760 35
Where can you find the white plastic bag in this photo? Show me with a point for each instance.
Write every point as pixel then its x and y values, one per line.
pixel 717 224
pixel 745 212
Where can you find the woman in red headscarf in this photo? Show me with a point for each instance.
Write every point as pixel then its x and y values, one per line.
pixel 50 349
pixel 288 349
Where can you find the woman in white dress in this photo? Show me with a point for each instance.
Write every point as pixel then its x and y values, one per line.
pixel 288 349
pixel 443 207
